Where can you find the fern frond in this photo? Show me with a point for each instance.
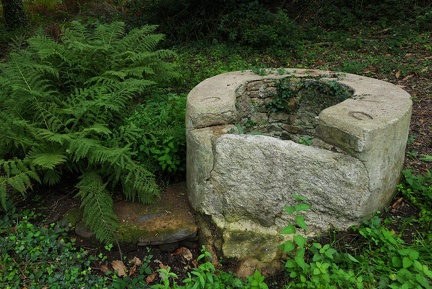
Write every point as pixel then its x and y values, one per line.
pixel 49 115
pixel 48 160
pixel 51 177
pixel 140 183
pixel 141 39
pixel 80 147
pixel 110 156
pixel 97 128
pixel 17 174
pixel 76 32
pixel 97 203
pixel 108 34
pixel 50 136
pixel 16 133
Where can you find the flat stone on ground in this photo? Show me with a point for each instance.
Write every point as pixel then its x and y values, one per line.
pixel 169 220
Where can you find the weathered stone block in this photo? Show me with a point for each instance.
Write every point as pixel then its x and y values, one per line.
pixel 242 182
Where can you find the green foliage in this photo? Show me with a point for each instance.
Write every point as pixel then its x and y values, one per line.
pixel 305 140
pixel 252 24
pixel 291 92
pixel 256 281
pixel 132 282
pixel 63 110
pixel 161 135
pixel 33 256
pixel 397 264
pixel 418 190
pixel 342 14
pixel 241 22
pixel 387 263
pixel 206 276
pixel 285 98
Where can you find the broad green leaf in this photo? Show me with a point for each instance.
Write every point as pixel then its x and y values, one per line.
pixel 301 263
pixel 413 254
pixel 427 271
pixel 302 207
pixel 303 279
pixel 290 210
pixel 290 264
pixel 406 262
pixel 330 252
pixel 422 280
pixel 301 252
pixel 396 262
pixel 317 245
pixel 289 246
pixel 417 265
pixel 316 257
pixel 300 240
pixel 301 222
pixel 298 197
pixel 290 229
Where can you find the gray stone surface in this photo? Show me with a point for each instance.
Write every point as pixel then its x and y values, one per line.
pixel 254 177
pixel 242 182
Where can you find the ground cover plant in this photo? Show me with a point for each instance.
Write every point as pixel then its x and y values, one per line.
pixel 392 250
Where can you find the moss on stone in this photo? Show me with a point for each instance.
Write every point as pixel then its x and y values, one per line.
pixel 73 216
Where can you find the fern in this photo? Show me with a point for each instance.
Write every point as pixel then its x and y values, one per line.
pixel 63 106
pixel 98 208
pixel 16 174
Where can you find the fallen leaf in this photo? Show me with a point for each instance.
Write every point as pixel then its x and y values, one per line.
pixel 119 267
pixel 397 203
pixel 162 266
pixel 178 251
pixel 185 252
pixel 136 261
pixel 103 268
pixel 408 77
pixel 150 278
pixel 132 270
pixel 398 73
pixel 195 263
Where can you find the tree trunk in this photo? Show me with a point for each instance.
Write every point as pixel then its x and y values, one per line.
pixel 14 14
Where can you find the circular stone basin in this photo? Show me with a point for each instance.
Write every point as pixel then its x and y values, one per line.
pixel 254 142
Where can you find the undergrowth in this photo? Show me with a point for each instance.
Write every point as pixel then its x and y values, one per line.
pixel 64 110
pixel 37 256
pixel 385 260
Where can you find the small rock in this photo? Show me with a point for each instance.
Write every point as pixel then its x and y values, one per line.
pixel 82 230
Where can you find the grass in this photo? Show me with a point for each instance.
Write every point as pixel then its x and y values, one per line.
pixel 392 250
